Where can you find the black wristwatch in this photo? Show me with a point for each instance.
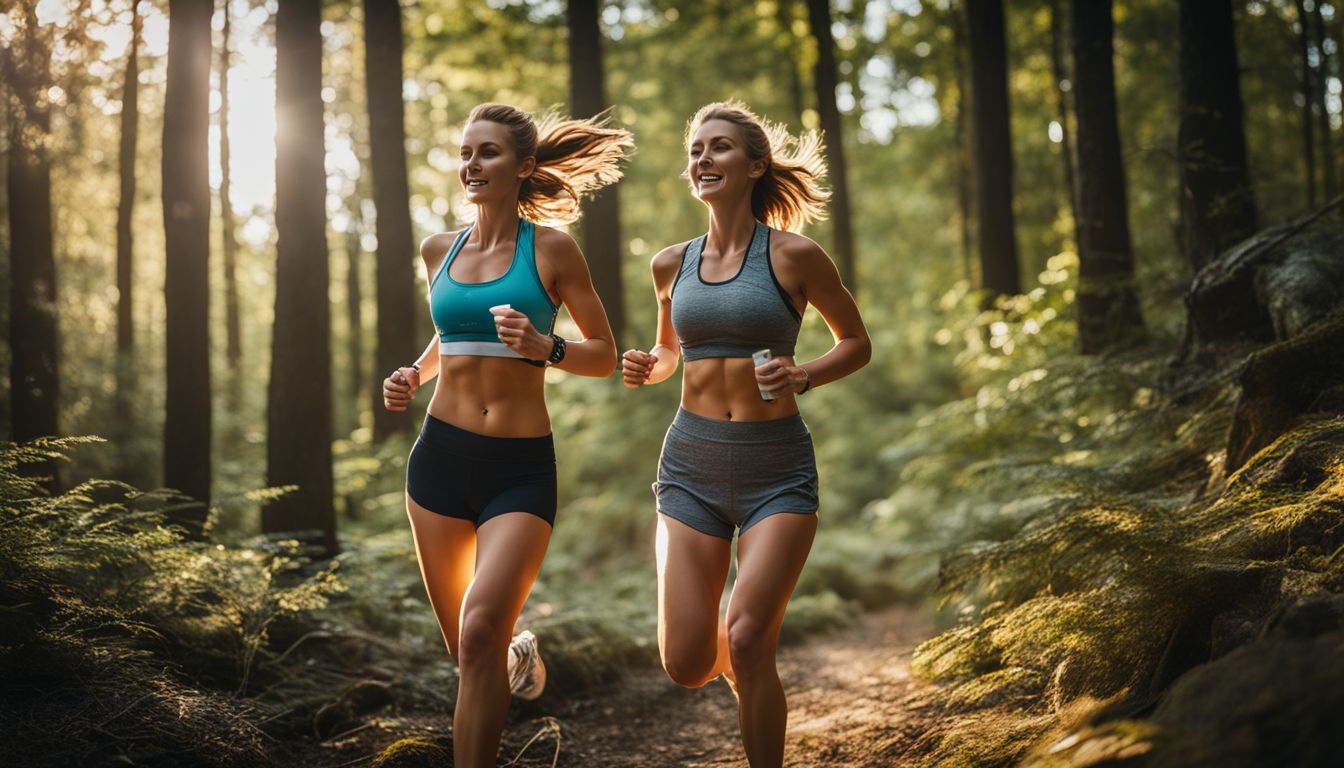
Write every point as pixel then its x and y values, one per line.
pixel 557 350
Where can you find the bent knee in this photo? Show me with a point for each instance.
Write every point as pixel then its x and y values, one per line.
pixel 689 670
pixel 750 643
pixel 480 640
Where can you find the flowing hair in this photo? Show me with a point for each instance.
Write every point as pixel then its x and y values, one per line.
pixel 574 158
pixel 790 194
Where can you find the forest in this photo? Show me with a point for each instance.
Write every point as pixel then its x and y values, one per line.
pixel 1085 507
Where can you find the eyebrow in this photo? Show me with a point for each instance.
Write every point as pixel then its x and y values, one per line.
pixel 711 139
pixel 484 144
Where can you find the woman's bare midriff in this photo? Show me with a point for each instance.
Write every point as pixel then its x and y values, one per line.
pixel 496 396
pixel 725 388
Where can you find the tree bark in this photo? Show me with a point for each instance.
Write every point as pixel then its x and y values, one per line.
pixel 1216 200
pixel 298 441
pixel 1308 100
pixel 1329 177
pixel 824 80
pixel 186 218
pixel 601 224
pixel 992 140
pixel 1108 309
pixel 360 391
pixel 784 15
pixel 33 333
pixel 963 170
pixel 1057 35
pixel 395 294
pixel 232 324
pixel 130 122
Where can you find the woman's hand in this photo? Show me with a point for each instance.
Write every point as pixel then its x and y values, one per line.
pixel 636 367
pixel 518 334
pixel 780 379
pixel 399 388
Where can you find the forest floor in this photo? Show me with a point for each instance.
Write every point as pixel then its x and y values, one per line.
pixel 852 700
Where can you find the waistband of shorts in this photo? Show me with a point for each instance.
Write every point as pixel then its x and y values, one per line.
pixel 722 431
pixel 443 436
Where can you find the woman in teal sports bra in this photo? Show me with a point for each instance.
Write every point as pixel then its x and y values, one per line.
pixel 480 481
pixel 738 456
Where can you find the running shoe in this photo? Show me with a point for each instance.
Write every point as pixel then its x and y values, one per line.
pixel 527 672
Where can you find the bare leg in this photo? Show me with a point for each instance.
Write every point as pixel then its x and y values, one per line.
pixel 509 550
pixel 446 547
pixel 770 557
pixel 692 569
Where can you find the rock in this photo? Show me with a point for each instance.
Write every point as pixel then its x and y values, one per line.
pixel 414 753
pixel 1281 383
pixel 1272 286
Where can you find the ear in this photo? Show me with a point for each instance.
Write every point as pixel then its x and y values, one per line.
pixel 527 167
pixel 757 168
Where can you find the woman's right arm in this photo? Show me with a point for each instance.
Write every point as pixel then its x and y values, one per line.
pixel 637 367
pixel 400 385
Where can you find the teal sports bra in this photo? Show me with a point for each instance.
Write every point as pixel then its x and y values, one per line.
pixel 461 311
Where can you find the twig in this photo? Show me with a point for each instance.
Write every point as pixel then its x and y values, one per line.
pixel 551 726
pixel 332 740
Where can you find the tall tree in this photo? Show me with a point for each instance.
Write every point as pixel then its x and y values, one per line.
pixel 396 259
pixel 963 172
pixel 601 225
pixel 824 80
pixel 1308 102
pixel 993 150
pixel 784 10
pixel 1062 87
pixel 33 334
pixel 233 332
pixel 186 221
pixel 354 295
pixel 298 440
pixel 130 123
pixel 1330 178
pixel 1216 201
pixel 1108 309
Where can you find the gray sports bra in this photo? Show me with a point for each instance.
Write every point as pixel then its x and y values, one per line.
pixel 737 316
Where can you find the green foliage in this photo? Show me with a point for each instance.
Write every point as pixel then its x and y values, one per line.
pixel 105 604
pixel 1097 553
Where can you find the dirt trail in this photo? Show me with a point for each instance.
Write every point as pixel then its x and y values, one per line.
pixel 851 703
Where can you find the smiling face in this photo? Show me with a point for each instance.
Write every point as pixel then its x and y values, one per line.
pixel 491 169
pixel 718 165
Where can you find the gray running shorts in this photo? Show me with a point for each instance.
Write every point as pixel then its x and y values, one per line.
pixel 719 475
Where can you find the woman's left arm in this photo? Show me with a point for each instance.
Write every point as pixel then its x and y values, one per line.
pixel 595 354
pixel 819 283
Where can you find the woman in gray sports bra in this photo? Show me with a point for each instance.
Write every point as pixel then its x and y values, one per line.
pixel 738 455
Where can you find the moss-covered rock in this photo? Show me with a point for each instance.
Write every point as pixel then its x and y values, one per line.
pixel 414 752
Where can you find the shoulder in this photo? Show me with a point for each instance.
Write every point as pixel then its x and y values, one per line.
pixel 793 249
pixel 669 258
pixel 556 246
pixel 435 246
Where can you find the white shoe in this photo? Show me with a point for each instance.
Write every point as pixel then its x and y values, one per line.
pixel 527 672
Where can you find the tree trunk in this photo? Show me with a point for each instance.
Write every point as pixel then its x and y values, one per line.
pixel 130 122
pixel 962 170
pixel 298 441
pixel 186 219
pixel 33 333
pixel 397 255
pixel 601 225
pixel 824 80
pixel 1057 35
pixel 993 155
pixel 1217 203
pixel 1108 309
pixel 1308 99
pixel 232 325
pixel 360 391
pixel 784 15
pixel 1330 178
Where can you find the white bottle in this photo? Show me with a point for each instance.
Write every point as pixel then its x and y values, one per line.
pixel 761 357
